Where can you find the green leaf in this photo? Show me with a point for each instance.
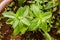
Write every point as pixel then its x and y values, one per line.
pixel 16 22
pixel 21 24
pixel 25 21
pixel 49 5
pixel 47 36
pixel 40 16
pixel 46 15
pixel 10 21
pixel 16 30
pixel 35 9
pixel 58 32
pixel 23 30
pixel 34 25
pixel 22 11
pixel 43 26
pixel 30 15
pixel 9 14
pixel 26 11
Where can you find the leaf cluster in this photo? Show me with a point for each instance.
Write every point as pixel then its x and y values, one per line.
pixel 30 18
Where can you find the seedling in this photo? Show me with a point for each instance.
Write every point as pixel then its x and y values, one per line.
pixel 30 18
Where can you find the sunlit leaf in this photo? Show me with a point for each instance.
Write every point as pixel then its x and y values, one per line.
pixel 16 30
pixel 26 11
pixel 46 15
pixel 10 21
pixel 16 22
pixel 23 30
pixel 43 26
pixel 35 9
pixel 22 11
pixel 25 21
pixel 47 36
pixel 34 25
pixel 9 14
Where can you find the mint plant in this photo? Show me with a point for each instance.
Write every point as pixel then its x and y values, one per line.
pixel 30 18
pixel 40 20
pixel 18 20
